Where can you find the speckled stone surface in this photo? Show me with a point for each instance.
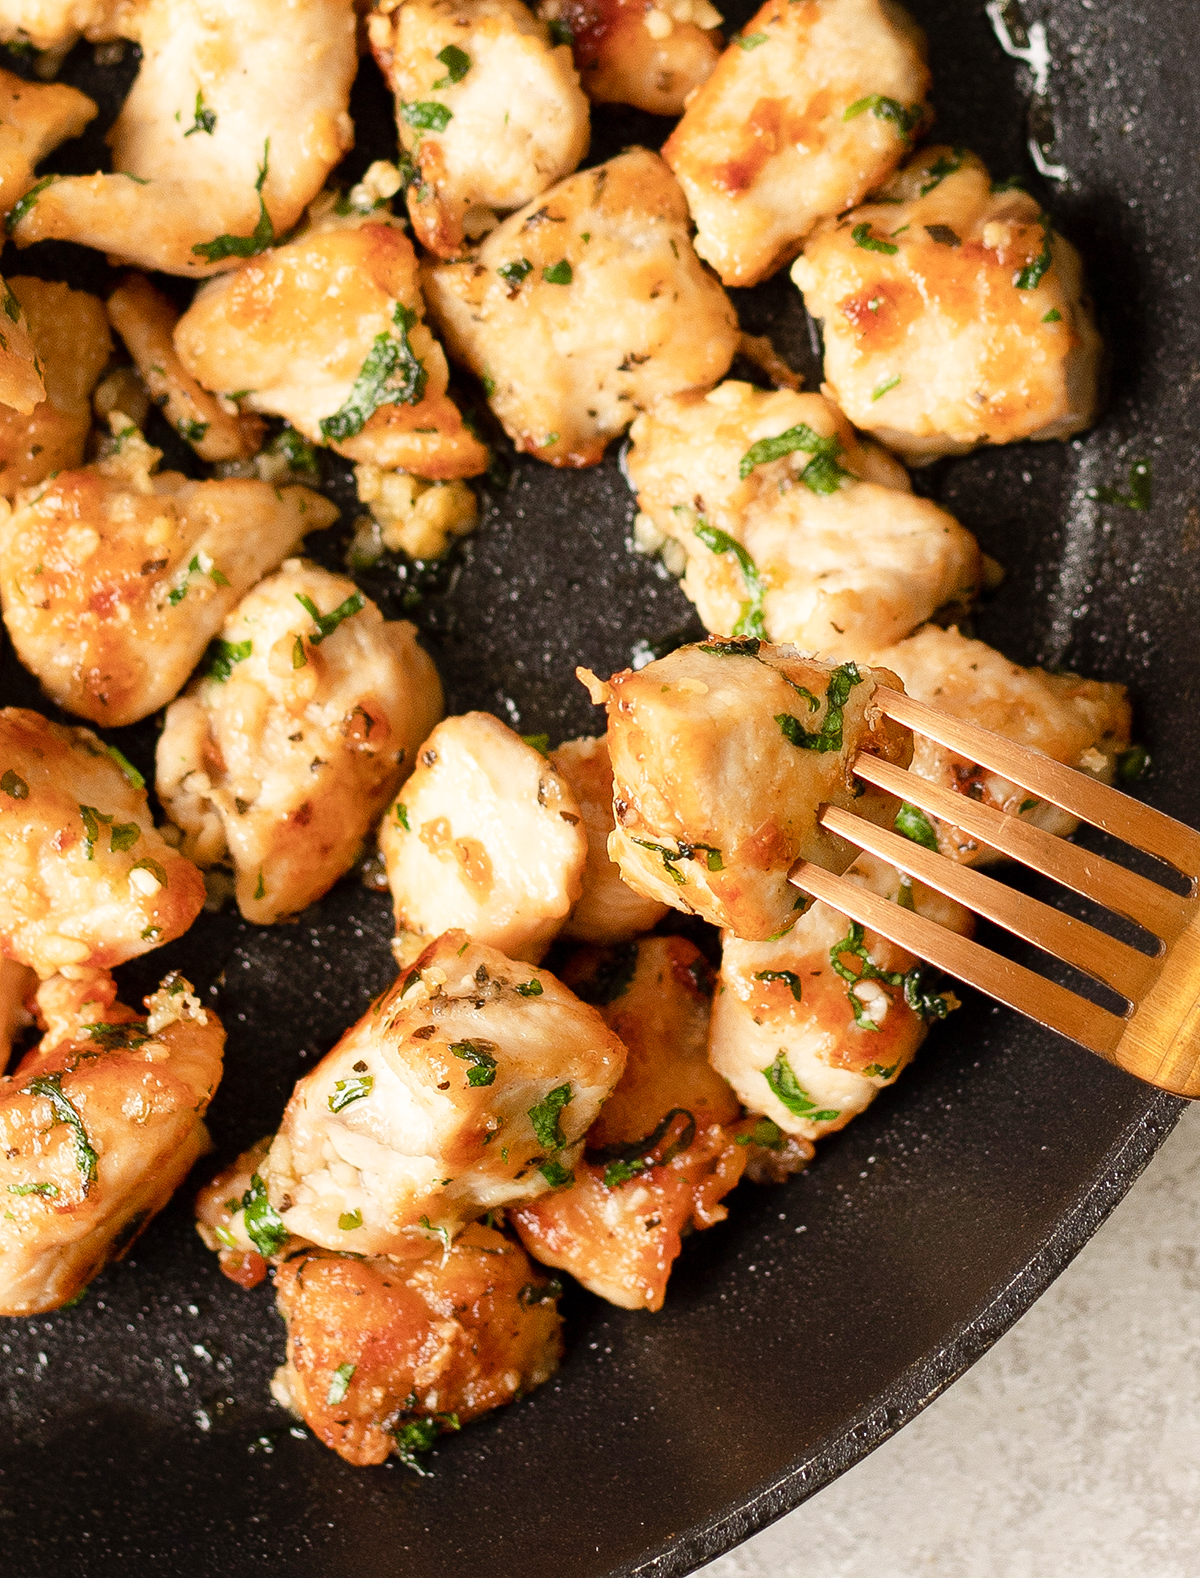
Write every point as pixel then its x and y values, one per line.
pixel 1072 1450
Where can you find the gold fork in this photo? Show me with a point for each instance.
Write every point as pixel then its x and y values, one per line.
pixel 1158 1037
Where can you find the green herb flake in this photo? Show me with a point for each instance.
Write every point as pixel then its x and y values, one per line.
pixel 787 1088
pixel 538 742
pixel 19 209
pixel 193 431
pixel 49 1086
pixel 1053 316
pixel 132 776
pixel 534 1293
pixel 125 1037
pixel 205 118
pixel 829 737
pixel 877 1071
pixel 91 828
pixel 915 825
pixel 941 234
pixel 766 1133
pixel 392 374
pixel 260 891
pixel 862 237
pixel 513 274
pixel 260 238
pixel 327 623
pixel 347 1090
pixel 716 647
pixel 790 979
pixel 340 1384
pixel 621 1172
pixel 555 1174
pixel 560 273
pixel 48 1191
pixel 750 621
pixel 939 170
pixel 1030 277
pixel 457 63
pixel 544 1117
pixel 528 989
pixel 299 655
pixel 264 1225
pixel 1133 764
pixel 124 836
pixel 749 41
pixel 479 1054
pixel 224 655
pixel 11 305
pixel 349 1220
pixel 823 474
pixel 14 786
pixel 885 387
pixel 414 1440
pixel 153 867
pixel 401 811
pixel 1140 489
pixel 906 119
pixel 437 1232
pixel 669 856
pixel 1027 805
pixel 426 115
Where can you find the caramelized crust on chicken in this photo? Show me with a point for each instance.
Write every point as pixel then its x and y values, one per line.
pixel 607 910
pixel 384 1357
pixel 585 308
pixel 72 343
pixel 34 118
pixel 85 877
pixel 489 110
pixel 953 314
pixel 284 755
pixel 723 755
pixel 627 53
pixel 114 578
pixel 488 837
pixel 98 1127
pixel 228 133
pixel 810 108
pixel 467 1087
pixel 327 332
pixel 21 386
pixel 825 542
pixel 1084 723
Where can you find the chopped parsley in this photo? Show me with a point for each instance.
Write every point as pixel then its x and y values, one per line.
pixel 49 1086
pixel 123 836
pixel 260 238
pixel 790 979
pixel 125 1037
pixel 414 1440
pixel 939 170
pixel 1030 277
pixel 829 737
pixel 392 374
pixel 862 237
pixel 206 118
pixel 260 889
pixel 48 1191
pixel 749 41
pixel 534 1293
pixel 340 1383
pixel 877 1071
pixel 327 623
pixel 349 1220
pixel 528 989
pixel 479 1054
pixel 766 1133
pixel 10 303
pixel 14 786
pixel 515 272
pixel 623 1162
pixel 823 474
pixel 91 828
pixel 438 1232
pixel 544 1117
pixel 1053 316
pixel 224 655
pixel 457 63
pixel 716 647
pixel 929 1005
pixel 1133 764
pixel 264 1225
pixel 555 1174
pixel 788 1089
pixel 560 32
pixel 153 867
pixel 426 115
pixel 560 273
pixel 347 1090
pixel 401 811
pixel 885 387
pixel 539 742
pixel 750 620
pixel 914 824
pixel 669 856
pixel 1140 489
pixel 19 209
pixel 132 776
pixel 905 118
pixel 193 431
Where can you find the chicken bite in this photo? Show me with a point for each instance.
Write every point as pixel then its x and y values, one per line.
pixel 487 837
pixel 221 1208
pixel 489 110
pixel 384 1358
pixel 809 1027
pixel 145 319
pixel 953 313
pixel 467 1087
pixel 810 108
pixel 86 878
pixel 228 133
pixel 115 577
pixel 98 1127
pixel 586 307
pixel 1083 723
pixel 54 25
pixel 722 756
pixel 607 911
pixel 328 332
pixel 792 528
pixel 627 53
pixel 34 118
pixel 17 985
pixel 21 385
pixel 282 757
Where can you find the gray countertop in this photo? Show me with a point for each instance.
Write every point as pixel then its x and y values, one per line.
pixel 1071 1450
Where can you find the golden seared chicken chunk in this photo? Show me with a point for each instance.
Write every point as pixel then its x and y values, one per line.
pixel 662 1154
pixel 34 118
pixel 953 314
pixel 21 385
pixel 488 836
pixel 234 121
pixel 328 332
pixel 282 757
pixel 722 756
pixel 585 308
pixel 98 1127
pixel 652 57
pixel 114 578
pixel 791 527
pixel 813 104
pixel 490 110
pixel 385 1357
pixel 86 878
pixel 1083 723
pixel 809 1027
pixel 55 24
pixel 467 1087
pixel 235 1197
pixel 72 343
pixel 17 985
pixel 608 911
pixel 145 319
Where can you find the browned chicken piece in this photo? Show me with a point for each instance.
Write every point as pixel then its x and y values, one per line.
pixel 34 118
pixel 145 319
pixel 662 1153
pixel 72 344
pixel 84 877
pixel 1083 723
pixel 811 107
pixel 607 911
pixel 953 313
pixel 98 1127
pixel 221 1208
pixel 488 106
pixel 328 332
pixel 652 57
pixel 21 385
pixel 723 755
pixel 585 308
pixel 809 1027
pixel 283 756
pixel 17 985
pixel 385 1357
pixel 467 1087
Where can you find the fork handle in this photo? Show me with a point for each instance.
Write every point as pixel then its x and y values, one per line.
pixel 1161 1042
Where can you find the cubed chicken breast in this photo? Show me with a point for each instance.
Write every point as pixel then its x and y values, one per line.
pixel 282 757
pixel 723 755
pixel 586 307
pixel 812 105
pixel 115 577
pixel 34 118
pixel 792 528
pixel 486 836
pixel 652 57
pixel 1083 723
pixel 86 879
pixel 488 106
pixel 953 313
pixel 21 384
pixel 468 1086
pixel 98 1127
pixel 328 332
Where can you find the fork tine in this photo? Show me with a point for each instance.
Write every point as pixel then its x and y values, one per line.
pixel 1160 911
pixel 1105 958
pixel 1118 814
pixel 1047 1002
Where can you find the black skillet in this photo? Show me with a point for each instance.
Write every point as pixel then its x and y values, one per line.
pixel 824 1314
